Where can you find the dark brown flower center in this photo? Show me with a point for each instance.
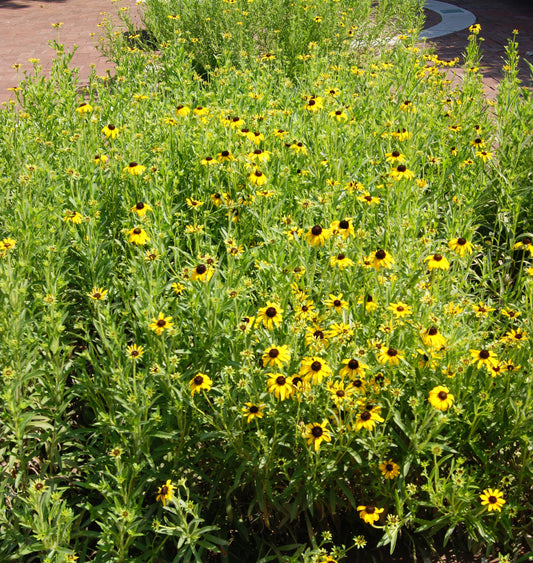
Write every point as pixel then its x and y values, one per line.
pixel 258 173
pixel 139 205
pixel 280 380
pixel 164 490
pixel 402 168
pixel 316 230
pixel 201 269
pixel 134 353
pixel 341 256
pixel 198 380
pixel 370 510
pixel 380 254
pixel 353 364
pixel 132 164
pixel 271 312
pixel 493 499
pixel 297 381
pixel 365 416
pixel 400 308
pixel 340 393
pixel 161 323
pixel 273 353
pixel 224 153
pixel 316 366
pixel 97 295
pixel 254 409
pixel 437 257
pixel 484 354
pixel 526 241
pixel 317 431
pixel 111 127
pixel 389 467
pixel 318 334
pixel 312 102
pixel 337 303
pixel 344 224
pixel 442 395
pixel 137 231
pixel 432 331
pixel 395 154
pixel 461 241
pixel 392 352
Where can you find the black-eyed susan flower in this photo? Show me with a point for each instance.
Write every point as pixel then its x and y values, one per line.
pixel 255 136
pixel 343 228
pixel 202 273
pixel 276 356
pixel 401 172
pixel 134 352
pixel 484 155
pixel 98 293
pixel 314 104
pixel 492 499
pixel 73 217
pixel 314 369
pixel 369 514
pixel 252 410
pixel 340 393
pixel 270 315
pixel 441 398
pixel 381 259
pixel 138 236
pixel 315 433
pixel 193 203
pixel 219 198
pixel 338 114
pixel 208 161
pixel 368 302
pixel 510 313
pixel 84 107
pixel 280 386
pixel 525 244
pixel 317 235
pixel 100 159
pixel 298 147
pixel 367 420
pixel 177 288
pixel 110 131
pixel 151 255
pixel 400 310
pixel 225 156
pixel 141 208
pixel 317 337
pixel 515 337
pixel 279 133
pixel 353 368
pixel 390 356
pixel 257 178
pixel 394 157
pixel 199 382
pixel 475 28
pixel 460 246
pixel 340 261
pixel 336 302
pixel 134 168
pixel 304 310
pixel 389 469
pixel 401 134
pixel 200 111
pixel 365 197
pixel 340 330
pixel 259 155
pixel 482 310
pixel 437 262
pixel 161 324
pixel 485 358
pixel 165 493
pixel 433 338
pixel 182 111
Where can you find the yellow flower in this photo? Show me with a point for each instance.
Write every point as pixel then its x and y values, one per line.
pixel 381 259
pixel 339 115
pixel 141 209
pixel 257 178
pixel 369 514
pixel 165 492
pixel 200 111
pixel 368 419
pixel 437 262
pixel 339 393
pixel 340 261
pixel 219 197
pixel 317 235
pixel 481 310
pixel 134 169
pixel 433 338
pixel 316 433
pixel 280 386
pixel 400 172
pixel 460 246
pixel 517 336
pixel 202 273
pixel 400 309
pixel 138 236
pixel 314 104
pixel 84 108
pixel 485 155
pixel 134 352
pixel 194 203
pixel 365 197
pixel 343 228
pixel 336 302
pixel 73 217
pixel 161 324
pixel 251 411
pixel 182 111
pixel 492 499
pixel 98 293
pixel 271 315
pixel 484 358
pixel 390 356
pixel 389 469
pixel 276 356
pixel 394 157
pixel 441 398
pixel 526 244
pixel 314 369
pixel 110 131
pixel 298 148
pixel 474 29
pixel 199 382
pixel 353 368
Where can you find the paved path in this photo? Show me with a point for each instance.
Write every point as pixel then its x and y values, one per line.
pixel 27 28
pixel 497 19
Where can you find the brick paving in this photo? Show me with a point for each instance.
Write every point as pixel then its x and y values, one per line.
pixel 497 20
pixel 27 28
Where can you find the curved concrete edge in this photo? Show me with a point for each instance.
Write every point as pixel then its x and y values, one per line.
pixel 453 19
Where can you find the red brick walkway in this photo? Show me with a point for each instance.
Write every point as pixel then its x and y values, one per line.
pixel 497 19
pixel 27 28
